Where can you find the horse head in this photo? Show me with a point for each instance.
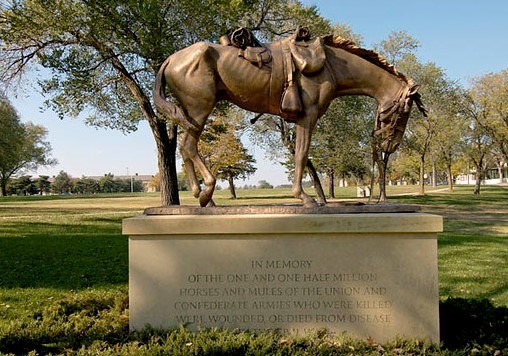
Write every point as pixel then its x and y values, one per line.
pixel 391 119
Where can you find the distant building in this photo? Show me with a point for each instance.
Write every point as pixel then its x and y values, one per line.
pixel 496 175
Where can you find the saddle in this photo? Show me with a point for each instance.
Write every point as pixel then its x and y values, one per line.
pixel 297 53
pixel 308 56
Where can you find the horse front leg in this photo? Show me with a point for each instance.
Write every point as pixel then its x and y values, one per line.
pixel 304 128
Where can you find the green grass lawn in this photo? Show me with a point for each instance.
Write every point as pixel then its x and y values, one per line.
pixel 64 276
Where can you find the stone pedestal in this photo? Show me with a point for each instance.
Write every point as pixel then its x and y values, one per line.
pixel 370 275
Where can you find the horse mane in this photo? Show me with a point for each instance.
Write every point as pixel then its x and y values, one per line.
pixel 367 54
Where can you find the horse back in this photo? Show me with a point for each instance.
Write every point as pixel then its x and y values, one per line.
pixel 211 72
pixel 240 81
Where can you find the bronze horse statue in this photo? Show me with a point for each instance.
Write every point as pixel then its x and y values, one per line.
pixel 204 73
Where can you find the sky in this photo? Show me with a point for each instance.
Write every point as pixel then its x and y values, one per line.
pixel 466 38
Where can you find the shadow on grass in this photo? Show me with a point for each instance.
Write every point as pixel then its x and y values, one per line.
pixel 467 323
pixel 62 256
pixel 78 324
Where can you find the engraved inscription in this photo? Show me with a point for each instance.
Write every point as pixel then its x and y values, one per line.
pixel 286 294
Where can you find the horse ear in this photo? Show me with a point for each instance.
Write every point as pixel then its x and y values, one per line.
pixel 414 89
pixel 418 101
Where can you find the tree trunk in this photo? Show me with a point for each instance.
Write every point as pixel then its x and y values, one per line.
pixel 4 180
pixel 478 177
pixel 434 174
pixel 449 177
pixel 381 166
pixel 232 187
pixel 165 140
pixel 422 175
pixel 317 183
pixel 331 184
pixel 500 171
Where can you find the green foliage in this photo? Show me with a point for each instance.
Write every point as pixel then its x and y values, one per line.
pixel 397 45
pixel 22 146
pixel 86 186
pixel 43 184
pixel 490 93
pixel 222 149
pixel 263 184
pixel 62 184
pixel 339 146
pixel 11 136
pixel 22 186
pixel 183 183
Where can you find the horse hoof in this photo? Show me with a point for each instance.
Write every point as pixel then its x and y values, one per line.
pixel 321 202
pixel 310 203
pixel 204 200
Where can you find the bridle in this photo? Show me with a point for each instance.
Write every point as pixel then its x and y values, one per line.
pixel 397 107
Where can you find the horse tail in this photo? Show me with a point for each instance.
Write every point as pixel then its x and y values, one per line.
pixel 165 107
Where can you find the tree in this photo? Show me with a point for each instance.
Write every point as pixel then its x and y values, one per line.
pixel 397 46
pixel 263 184
pixel 22 145
pixel 490 92
pixel 63 183
pixel 183 183
pixel 23 186
pixel 499 160
pixel 86 185
pixel 223 150
pixel 337 149
pixel 127 185
pixel 107 184
pixel 478 142
pixel 440 95
pixel 43 184
pixel 103 55
pixel 448 144
pixel 479 145
pixel 406 166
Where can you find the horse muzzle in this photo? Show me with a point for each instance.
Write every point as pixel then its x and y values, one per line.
pixel 389 145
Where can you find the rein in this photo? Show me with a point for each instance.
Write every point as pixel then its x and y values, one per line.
pixel 397 105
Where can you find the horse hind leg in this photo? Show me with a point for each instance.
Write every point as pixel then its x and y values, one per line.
pixel 192 160
pixel 185 151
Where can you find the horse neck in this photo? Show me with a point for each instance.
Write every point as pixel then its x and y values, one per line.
pixel 356 76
